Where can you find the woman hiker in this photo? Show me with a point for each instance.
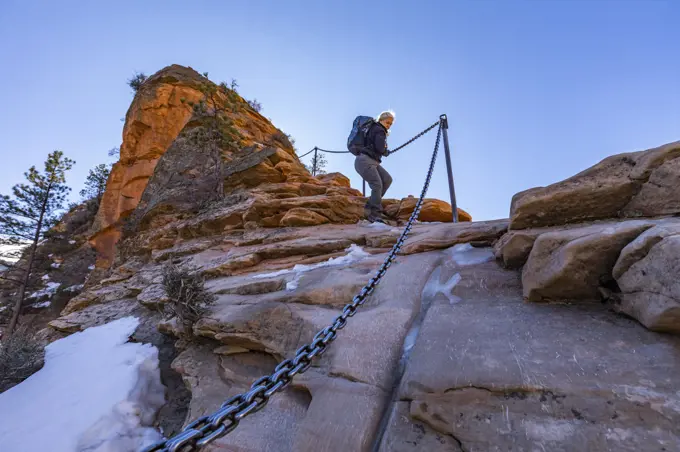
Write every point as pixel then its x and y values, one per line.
pixel 367 164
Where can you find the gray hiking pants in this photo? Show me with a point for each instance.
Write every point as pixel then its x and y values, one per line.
pixel 377 178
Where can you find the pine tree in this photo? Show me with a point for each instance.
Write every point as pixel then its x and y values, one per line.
pixel 95 184
pixel 317 164
pixel 25 217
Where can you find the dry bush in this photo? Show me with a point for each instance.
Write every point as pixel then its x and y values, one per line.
pixel 188 298
pixel 21 355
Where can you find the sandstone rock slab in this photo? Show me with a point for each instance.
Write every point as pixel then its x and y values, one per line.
pixel 573 264
pixel 639 248
pixel 446 235
pixel 650 287
pixel 514 247
pixel 491 373
pixel 620 186
pixel 213 379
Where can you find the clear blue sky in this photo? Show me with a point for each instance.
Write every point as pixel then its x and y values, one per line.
pixel 535 90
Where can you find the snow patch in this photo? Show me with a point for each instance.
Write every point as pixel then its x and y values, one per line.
pixel 2 308
pixel 45 277
pixel 411 337
pixel 10 252
pixel 433 286
pixel 74 288
pixel 354 254
pixel 55 265
pixel 618 434
pixel 44 304
pixel 656 400
pixel 96 393
pixel 71 242
pixel 465 254
pixel 379 226
pixel 48 291
pixel 91 267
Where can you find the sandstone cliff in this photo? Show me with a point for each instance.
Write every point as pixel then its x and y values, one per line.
pixel 450 353
pixel 162 118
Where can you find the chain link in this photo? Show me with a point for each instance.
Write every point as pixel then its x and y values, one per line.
pixel 207 429
pixel 390 152
pixel 414 138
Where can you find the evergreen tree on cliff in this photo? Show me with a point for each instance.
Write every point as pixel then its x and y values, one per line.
pixel 317 165
pixel 95 184
pixel 28 214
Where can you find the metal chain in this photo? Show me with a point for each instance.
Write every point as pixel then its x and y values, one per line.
pixel 390 152
pixel 415 137
pixel 207 429
pixel 332 152
pixel 306 153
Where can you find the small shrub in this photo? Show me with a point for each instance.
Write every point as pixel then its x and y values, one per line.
pixel 21 355
pixel 291 139
pixel 136 81
pixel 188 298
pixel 255 105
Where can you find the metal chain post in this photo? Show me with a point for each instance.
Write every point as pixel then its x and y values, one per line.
pixel 315 162
pixel 207 429
pixel 449 172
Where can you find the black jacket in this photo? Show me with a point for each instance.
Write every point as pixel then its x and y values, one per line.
pixel 376 142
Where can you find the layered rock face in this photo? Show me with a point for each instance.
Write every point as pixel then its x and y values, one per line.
pixel 576 240
pixel 158 113
pixel 638 184
pixel 445 355
pixel 162 119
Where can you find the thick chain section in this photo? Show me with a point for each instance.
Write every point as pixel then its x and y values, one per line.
pixel 207 429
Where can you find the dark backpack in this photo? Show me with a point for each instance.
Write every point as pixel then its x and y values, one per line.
pixel 357 137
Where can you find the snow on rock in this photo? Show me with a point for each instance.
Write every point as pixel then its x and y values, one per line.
pixel 434 286
pixel 379 226
pixel 96 393
pixel 10 252
pixel 55 265
pixel 354 254
pixel 45 277
pixel 44 304
pixel 74 288
pixel 465 254
pixel 49 290
pixel 71 242
pixel 91 267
